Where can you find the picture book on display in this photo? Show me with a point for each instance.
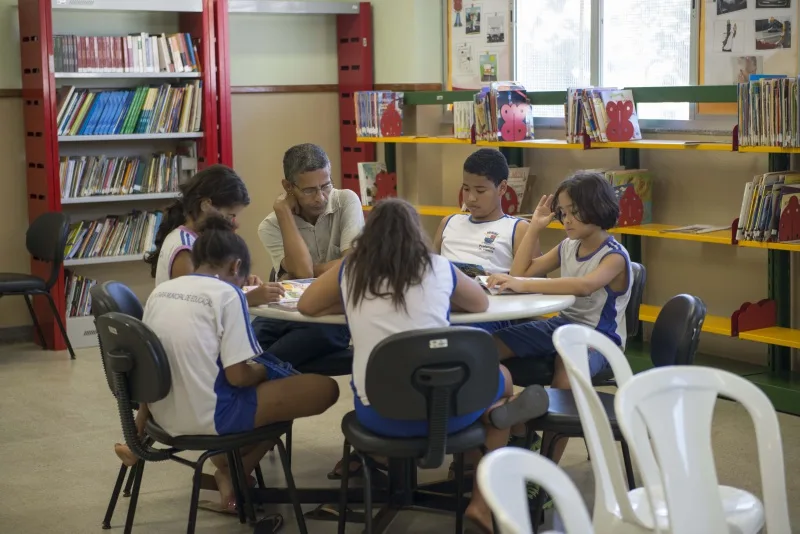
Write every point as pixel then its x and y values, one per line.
pixel 294 290
pixel 378 113
pixel 768 112
pixel 602 114
pixel 375 183
pixel 770 208
pixel 512 201
pixel 503 112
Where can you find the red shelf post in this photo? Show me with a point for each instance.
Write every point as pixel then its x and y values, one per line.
pixel 356 73
pixel 223 75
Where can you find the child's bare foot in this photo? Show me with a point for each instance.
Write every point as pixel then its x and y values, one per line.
pixel 125 454
pixel 226 491
pixel 481 518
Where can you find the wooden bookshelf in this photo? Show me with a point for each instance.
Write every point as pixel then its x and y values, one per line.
pixel 39 21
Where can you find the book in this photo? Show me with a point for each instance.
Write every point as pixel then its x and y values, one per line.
pixel 483 281
pixel 113 235
pixel 162 172
pixel 586 114
pixel 503 111
pixel 128 53
pixel 512 200
pixel 768 112
pixel 368 173
pixel 144 110
pixel 767 210
pixel 463 119
pixel 378 113
pixel 634 189
pixel 294 290
pixel 472 270
pixel 78 298
pixel 696 229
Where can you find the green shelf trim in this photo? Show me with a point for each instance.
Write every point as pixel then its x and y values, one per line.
pixel 688 93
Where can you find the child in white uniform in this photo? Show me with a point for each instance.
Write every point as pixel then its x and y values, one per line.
pixel 203 322
pixel 391 286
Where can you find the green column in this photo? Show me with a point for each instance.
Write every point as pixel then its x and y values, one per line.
pixel 779 283
pixel 513 156
pixel 390 156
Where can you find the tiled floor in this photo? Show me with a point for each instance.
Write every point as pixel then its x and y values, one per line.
pixel 58 423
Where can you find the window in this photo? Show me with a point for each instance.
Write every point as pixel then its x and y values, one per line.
pixel 638 43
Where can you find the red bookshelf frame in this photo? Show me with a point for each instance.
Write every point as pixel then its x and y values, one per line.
pixel 223 82
pixel 41 133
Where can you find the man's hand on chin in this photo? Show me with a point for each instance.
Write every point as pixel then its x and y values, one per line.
pixel 286 203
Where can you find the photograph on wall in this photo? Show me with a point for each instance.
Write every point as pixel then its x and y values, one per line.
pixel 774 33
pixel 458 6
pixel 729 35
pixel 488 65
pixel 744 66
pixel 495 28
pixel 729 6
pixel 473 20
pixel 773 4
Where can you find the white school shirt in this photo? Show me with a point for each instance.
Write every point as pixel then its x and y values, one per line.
pixel 488 244
pixel 181 238
pixel 603 310
pixel 327 239
pixel 375 319
pixel 204 327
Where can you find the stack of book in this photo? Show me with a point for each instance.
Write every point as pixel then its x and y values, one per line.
pixel 601 114
pixel 85 176
pixel 131 53
pixel 768 112
pixel 463 119
pixel 79 301
pixel 113 235
pixel 770 208
pixel 144 110
pixel 503 113
pixel 378 113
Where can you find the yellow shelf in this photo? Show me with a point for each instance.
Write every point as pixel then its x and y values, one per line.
pixel 792 247
pixel 769 150
pixel 656 144
pixel 720 237
pixel 559 144
pixel 775 335
pixel 435 211
pixel 415 139
pixel 713 324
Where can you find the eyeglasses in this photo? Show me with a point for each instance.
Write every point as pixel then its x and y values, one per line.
pixel 310 191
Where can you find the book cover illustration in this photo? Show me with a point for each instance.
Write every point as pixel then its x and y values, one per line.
pixel 515 114
pixel 385 185
pixel 634 190
pixel 367 175
pixel 472 270
pixel 623 123
pixel 390 110
pixel 789 225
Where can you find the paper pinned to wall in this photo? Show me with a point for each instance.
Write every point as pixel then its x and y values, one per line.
pixel 479 42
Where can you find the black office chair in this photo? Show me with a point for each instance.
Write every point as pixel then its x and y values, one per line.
pixel 423 375
pixel 674 340
pixel 529 371
pixel 45 240
pixel 141 373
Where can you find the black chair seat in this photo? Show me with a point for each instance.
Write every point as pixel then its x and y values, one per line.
pixel 20 283
pixel 563 417
pixel 530 371
pixel 335 364
pixel 365 441
pixel 226 442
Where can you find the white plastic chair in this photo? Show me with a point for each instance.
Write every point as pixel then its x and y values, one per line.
pixel 676 404
pixel 502 475
pixel 616 510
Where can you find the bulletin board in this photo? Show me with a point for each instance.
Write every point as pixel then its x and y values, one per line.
pixel 479 42
pixel 743 37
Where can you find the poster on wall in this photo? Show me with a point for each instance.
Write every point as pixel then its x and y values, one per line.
pixel 479 42
pixel 744 37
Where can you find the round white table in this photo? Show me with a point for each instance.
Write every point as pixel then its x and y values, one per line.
pixel 501 308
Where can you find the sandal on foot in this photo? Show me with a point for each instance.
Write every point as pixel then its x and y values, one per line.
pixel 269 525
pixel 357 471
pixel 216 506
pixel 330 512
pixel 531 403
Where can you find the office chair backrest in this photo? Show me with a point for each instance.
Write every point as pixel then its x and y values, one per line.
pixel 637 291
pixel 676 405
pixel 109 297
pixel 46 240
pixel 140 371
pixel 433 374
pixel 676 332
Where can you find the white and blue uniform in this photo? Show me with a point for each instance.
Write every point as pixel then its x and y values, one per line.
pixel 488 244
pixel 376 318
pixel 181 238
pixel 204 326
pixel 603 310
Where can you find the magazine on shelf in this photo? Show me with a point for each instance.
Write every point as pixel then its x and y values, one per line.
pixel 294 290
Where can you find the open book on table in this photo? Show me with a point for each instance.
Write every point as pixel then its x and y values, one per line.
pixel 294 290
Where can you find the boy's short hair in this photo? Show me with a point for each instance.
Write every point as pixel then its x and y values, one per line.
pixel 489 163
pixel 593 198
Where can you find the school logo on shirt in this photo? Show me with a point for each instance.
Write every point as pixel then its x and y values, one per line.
pixel 488 242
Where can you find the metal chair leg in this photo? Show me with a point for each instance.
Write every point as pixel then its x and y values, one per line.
pixel 60 324
pixel 289 445
pixel 343 492
pixel 35 319
pixel 129 483
pixel 137 483
pixel 287 471
pixel 112 503
pixel 233 469
pixel 367 493
pixel 459 493
pixel 198 475
pixel 626 458
pixel 249 509
pixel 260 478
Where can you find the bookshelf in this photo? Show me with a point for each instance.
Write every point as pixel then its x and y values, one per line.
pixel 770 325
pixel 111 52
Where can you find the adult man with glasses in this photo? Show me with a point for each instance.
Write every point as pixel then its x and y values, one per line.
pixel 312 226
